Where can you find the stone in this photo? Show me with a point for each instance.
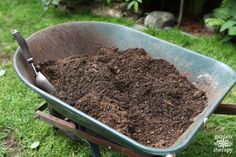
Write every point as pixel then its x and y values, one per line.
pixel 159 19
pixel 107 11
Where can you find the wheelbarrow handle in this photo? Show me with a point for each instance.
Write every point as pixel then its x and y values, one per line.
pixel 23 45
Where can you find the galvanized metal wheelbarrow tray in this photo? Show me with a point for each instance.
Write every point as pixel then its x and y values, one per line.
pixel 76 38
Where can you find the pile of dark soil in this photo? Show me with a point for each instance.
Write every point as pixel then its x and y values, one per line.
pixel 144 98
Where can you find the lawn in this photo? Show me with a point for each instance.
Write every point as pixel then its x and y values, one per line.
pixel 18 127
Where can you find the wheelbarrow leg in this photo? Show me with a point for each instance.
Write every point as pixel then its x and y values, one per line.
pixel 95 149
pixel 53 112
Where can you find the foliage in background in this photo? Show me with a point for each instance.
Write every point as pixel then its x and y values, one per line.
pixel 109 2
pixel 134 4
pixel 225 19
pixel 48 3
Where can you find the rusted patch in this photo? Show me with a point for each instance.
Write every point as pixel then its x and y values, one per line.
pixel 66 40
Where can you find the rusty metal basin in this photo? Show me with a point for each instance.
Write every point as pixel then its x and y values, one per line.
pixel 68 39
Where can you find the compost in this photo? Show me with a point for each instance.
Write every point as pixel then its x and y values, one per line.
pixel 144 98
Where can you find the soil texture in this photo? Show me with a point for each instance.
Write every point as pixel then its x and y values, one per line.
pixel 144 98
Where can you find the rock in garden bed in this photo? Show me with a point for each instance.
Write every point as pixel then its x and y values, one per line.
pixel 144 98
pixel 159 19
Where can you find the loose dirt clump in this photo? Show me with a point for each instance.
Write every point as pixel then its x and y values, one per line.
pixel 144 98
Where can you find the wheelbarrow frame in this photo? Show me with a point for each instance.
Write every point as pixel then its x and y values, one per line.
pixel 210 75
pixel 76 132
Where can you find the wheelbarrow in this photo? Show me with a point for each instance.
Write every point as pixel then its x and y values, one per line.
pixel 70 39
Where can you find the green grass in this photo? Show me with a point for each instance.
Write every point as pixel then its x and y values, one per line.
pixel 18 127
pixel 27 16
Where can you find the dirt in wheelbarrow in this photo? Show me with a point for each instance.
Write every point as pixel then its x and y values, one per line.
pixel 144 98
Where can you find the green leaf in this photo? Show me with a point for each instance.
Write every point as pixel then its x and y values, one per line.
pixel 140 1
pixel 47 2
pixel 108 1
pixel 34 145
pixel 214 22
pixel 227 25
pixel 229 3
pixel 222 13
pixel 226 38
pixel 232 30
pixel 130 5
pixel 56 2
pixel 136 7
pixel 45 8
